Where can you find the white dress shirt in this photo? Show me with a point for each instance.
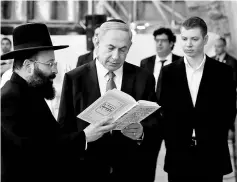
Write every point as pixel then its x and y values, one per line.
pixel 103 77
pixel 194 77
pixel 157 66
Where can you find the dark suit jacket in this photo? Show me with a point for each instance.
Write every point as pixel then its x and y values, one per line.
pixel 129 161
pixel 231 61
pixel 149 63
pixel 85 58
pixel 33 147
pixel 211 117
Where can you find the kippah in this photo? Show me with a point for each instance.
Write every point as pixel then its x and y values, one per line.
pixel 114 24
pixel 116 20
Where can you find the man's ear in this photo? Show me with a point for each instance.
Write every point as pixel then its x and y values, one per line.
pixel 28 66
pixel 96 40
pixel 171 44
pixel 205 39
pixel 130 45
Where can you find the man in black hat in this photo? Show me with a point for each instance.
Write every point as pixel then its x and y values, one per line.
pixel 32 140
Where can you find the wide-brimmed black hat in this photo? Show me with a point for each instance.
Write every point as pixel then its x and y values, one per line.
pixel 31 37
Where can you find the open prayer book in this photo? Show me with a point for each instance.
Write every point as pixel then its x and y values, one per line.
pixel 122 107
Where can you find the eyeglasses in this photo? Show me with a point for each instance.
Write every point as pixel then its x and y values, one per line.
pixel 50 64
pixel 161 40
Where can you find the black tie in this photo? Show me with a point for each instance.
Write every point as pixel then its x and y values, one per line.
pixel 158 86
pixel 110 84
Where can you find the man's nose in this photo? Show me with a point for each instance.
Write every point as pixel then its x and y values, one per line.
pixel 55 69
pixel 189 43
pixel 115 55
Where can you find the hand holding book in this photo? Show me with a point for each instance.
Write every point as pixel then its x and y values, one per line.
pixel 119 105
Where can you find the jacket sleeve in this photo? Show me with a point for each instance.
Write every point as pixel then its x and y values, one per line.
pixel 66 115
pixel 17 130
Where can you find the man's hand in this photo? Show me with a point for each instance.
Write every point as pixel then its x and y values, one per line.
pixel 96 130
pixel 133 131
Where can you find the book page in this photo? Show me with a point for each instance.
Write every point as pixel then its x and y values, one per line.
pixel 113 104
pixel 147 103
pixel 136 114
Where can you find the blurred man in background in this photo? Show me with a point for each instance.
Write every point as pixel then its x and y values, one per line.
pixel 224 57
pixel 164 40
pixel 86 58
pixel 6 46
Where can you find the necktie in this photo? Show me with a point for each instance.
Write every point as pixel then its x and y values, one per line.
pixel 110 84
pixel 218 58
pixel 158 87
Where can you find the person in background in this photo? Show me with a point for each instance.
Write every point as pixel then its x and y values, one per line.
pixel 86 58
pixel 224 57
pixel 33 147
pixel 6 46
pixel 198 103
pixel 119 156
pixel 164 41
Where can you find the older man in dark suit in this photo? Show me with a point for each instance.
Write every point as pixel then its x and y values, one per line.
pixel 198 108
pixel 127 155
pixel 33 147
pixel 165 40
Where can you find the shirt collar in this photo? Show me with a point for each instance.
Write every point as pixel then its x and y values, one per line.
pixel 221 57
pixel 199 67
pixel 168 57
pixel 94 54
pixel 103 71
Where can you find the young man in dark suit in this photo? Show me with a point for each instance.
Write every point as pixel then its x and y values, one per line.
pixel 33 147
pixel 164 40
pixel 198 108
pixel 90 56
pixel 127 155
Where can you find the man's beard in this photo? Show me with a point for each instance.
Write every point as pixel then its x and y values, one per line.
pixel 42 84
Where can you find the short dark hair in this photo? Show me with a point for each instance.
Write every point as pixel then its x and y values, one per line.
pixel 5 38
pixel 223 40
pixel 166 31
pixel 21 57
pixel 195 22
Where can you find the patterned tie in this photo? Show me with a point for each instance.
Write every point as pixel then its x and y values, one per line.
pixel 158 87
pixel 110 84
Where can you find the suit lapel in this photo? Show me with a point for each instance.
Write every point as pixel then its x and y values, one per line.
pixel 92 80
pixel 151 64
pixel 204 86
pixel 90 57
pixel 226 59
pixel 128 79
pixel 182 84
